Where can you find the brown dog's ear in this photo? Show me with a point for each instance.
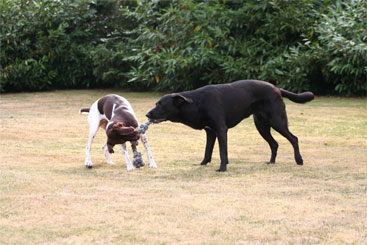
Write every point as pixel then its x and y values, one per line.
pixel 179 100
pixel 122 130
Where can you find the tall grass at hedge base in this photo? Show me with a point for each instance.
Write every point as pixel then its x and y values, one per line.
pixel 179 45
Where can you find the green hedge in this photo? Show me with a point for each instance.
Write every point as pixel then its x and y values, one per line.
pixel 49 44
pixel 44 44
pixel 298 45
pixel 316 45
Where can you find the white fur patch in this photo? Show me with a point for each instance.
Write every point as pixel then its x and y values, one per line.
pixel 107 154
pixel 152 163
pixel 124 151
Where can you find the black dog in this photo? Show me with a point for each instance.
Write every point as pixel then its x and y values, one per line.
pixel 216 108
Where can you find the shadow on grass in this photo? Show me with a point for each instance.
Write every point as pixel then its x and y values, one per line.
pixel 184 171
pixel 171 173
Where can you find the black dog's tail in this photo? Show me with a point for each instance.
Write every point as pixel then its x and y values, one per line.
pixel 84 110
pixel 298 98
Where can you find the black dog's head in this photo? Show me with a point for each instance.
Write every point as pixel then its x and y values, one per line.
pixel 168 108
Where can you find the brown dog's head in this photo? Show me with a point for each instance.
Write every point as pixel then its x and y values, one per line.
pixel 118 133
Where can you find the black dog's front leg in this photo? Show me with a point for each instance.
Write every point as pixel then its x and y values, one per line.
pixel 210 141
pixel 222 139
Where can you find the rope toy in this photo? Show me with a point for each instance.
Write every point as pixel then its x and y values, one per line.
pixel 138 159
pixel 144 126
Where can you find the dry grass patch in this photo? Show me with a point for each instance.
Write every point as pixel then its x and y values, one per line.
pixel 48 196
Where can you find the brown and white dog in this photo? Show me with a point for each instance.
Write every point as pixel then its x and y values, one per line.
pixel 115 114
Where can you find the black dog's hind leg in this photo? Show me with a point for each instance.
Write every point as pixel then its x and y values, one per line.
pixel 294 141
pixel 210 141
pixel 279 122
pixel 263 127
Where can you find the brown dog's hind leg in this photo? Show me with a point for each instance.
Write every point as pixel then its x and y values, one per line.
pixel 263 127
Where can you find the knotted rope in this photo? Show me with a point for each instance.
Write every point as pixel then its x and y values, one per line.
pixel 138 159
pixel 144 126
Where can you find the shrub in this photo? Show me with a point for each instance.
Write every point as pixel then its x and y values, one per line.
pixel 342 35
pixel 317 45
pixel 190 44
pixel 295 44
pixel 42 43
pixel 47 44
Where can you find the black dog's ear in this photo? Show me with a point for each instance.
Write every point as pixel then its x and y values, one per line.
pixel 179 100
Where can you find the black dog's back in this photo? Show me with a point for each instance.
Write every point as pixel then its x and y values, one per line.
pixel 234 101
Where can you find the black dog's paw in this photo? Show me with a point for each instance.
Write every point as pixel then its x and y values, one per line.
pixel 299 161
pixel 204 162
pixel 270 162
pixel 223 167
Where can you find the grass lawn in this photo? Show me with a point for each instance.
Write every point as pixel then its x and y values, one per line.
pixel 48 196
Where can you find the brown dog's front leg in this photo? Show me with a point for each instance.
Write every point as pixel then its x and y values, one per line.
pixel 222 139
pixel 210 141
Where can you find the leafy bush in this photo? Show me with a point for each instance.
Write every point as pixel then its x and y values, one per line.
pixel 109 66
pixel 317 45
pixel 38 47
pixel 342 35
pixel 332 57
pixel 189 44
pixel 173 48
pixel 47 44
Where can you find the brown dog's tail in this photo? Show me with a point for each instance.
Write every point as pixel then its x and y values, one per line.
pixel 84 110
pixel 298 98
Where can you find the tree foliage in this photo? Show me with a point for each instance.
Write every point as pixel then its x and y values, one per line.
pixel 42 44
pixel 317 45
pixel 342 43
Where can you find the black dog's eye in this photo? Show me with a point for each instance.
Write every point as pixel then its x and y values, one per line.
pixel 158 103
